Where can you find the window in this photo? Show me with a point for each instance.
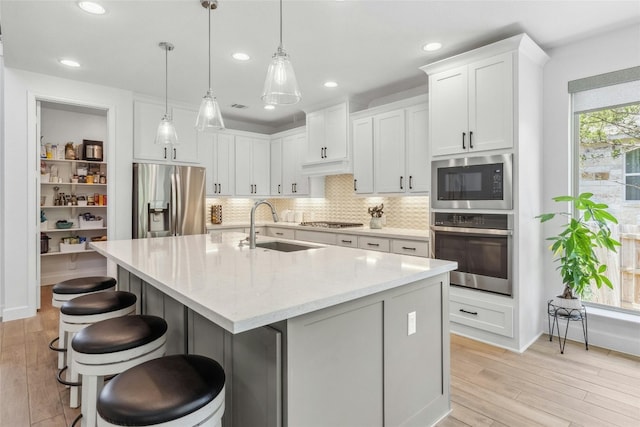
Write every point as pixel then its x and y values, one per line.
pixel 607 145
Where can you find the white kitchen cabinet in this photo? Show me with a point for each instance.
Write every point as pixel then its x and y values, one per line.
pixel 252 166
pixel 389 152
pixel 362 139
pixel 328 143
pixel 217 150
pixel 146 117
pixel 327 134
pixel 471 106
pixel 294 182
pixel 391 149
pixel 418 168
pixel 410 247
pixel 316 237
pixel 276 167
pixel 283 233
pixel 373 243
pixel 348 240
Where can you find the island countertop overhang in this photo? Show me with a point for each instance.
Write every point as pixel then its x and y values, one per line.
pixel 241 289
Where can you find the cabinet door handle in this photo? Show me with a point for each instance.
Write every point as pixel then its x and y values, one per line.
pixel 464 147
pixel 279 233
pixel 165 153
pixel 475 313
pixel 410 182
pixel 470 139
pixel 347 241
pixel 407 248
pixel 215 188
pixel 278 188
pixel 355 185
pixel 373 244
pixel 219 188
pixel 401 183
pixel 295 186
pixel 174 153
pixel 322 152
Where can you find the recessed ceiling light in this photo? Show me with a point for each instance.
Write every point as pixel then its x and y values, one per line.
pixel 69 63
pixel 91 7
pixel 330 84
pixel 430 47
pixel 239 56
pixel 269 107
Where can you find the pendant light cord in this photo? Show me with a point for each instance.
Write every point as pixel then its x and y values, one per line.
pixel 280 24
pixel 209 7
pixel 166 80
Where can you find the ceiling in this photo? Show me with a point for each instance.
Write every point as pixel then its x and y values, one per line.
pixel 372 48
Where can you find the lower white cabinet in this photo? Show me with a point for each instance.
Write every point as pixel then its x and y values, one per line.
pixel 349 240
pixel 410 247
pixel 373 243
pixel 469 308
pixel 283 233
pixel 316 237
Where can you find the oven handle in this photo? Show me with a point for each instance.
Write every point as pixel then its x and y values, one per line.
pixel 489 231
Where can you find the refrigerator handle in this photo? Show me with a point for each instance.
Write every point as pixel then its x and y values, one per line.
pixel 174 203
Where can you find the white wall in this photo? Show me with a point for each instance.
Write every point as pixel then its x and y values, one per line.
pixel 19 250
pixel 603 53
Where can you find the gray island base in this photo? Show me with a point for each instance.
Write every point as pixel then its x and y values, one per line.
pixel 326 337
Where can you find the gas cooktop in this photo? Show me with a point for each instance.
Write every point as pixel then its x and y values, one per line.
pixel 331 224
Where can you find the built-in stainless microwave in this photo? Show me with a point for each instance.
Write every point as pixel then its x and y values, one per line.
pixel 472 183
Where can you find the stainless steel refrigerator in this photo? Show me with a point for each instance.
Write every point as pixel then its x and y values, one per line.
pixel 168 200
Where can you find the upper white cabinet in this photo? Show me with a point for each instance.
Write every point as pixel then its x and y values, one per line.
pixel 389 152
pixel 276 167
pixel 362 155
pixel 328 142
pixel 252 158
pixel 391 148
pixel 218 152
pixel 294 148
pixel 417 148
pixel 327 134
pixel 146 117
pixel 471 106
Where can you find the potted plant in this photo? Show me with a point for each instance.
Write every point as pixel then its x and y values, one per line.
pixel 376 216
pixel 574 247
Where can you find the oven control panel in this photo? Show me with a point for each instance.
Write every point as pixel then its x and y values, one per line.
pixel 472 220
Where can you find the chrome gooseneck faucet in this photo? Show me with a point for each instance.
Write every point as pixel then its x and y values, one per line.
pixel 252 229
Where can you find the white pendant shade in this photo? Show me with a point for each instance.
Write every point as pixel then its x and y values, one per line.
pixel 209 116
pixel 280 86
pixel 166 131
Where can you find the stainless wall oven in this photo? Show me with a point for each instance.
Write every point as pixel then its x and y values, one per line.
pixel 472 183
pixel 481 244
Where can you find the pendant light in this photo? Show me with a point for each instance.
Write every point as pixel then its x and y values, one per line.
pixel 209 115
pixel 280 86
pixel 166 130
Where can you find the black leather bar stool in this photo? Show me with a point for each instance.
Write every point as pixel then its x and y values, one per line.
pixel 80 312
pixel 110 347
pixel 172 391
pixel 69 289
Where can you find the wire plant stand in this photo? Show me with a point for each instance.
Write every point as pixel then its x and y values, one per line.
pixel 570 315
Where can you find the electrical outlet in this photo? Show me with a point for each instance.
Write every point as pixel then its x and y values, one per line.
pixel 411 323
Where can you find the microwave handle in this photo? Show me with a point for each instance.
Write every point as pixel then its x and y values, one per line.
pixel 490 231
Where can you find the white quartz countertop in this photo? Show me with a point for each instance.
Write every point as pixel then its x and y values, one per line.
pixel 387 232
pixel 241 289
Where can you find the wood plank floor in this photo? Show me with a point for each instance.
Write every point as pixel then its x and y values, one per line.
pixel 489 386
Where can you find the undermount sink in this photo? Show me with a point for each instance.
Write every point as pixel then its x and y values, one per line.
pixel 283 246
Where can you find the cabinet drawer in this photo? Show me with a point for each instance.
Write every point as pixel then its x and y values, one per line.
pixel 410 247
pixel 316 236
pixel 373 243
pixel 491 317
pixel 347 240
pixel 283 233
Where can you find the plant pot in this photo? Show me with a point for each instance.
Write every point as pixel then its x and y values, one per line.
pixel 375 223
pixel 574 303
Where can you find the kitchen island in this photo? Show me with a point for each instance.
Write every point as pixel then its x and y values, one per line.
pixel 324 336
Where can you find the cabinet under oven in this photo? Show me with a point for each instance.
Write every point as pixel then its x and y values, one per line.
pixel 481 244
